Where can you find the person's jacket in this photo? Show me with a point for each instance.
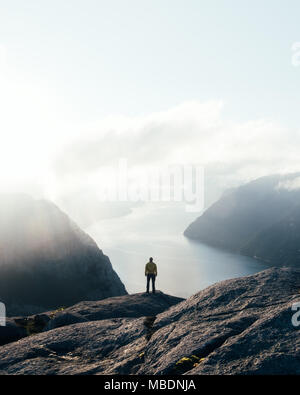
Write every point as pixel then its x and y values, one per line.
pixel 151 268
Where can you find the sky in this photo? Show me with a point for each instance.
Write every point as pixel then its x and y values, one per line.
pixel 85 82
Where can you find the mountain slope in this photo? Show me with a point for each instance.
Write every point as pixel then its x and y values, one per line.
pixel 237 221
pixel 47 261
pixel 279 243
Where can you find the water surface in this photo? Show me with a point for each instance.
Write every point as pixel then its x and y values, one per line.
pixel 184 267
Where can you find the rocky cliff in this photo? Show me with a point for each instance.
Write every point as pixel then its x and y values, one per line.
pixel 240 326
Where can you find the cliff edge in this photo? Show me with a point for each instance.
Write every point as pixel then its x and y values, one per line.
pixel 239 326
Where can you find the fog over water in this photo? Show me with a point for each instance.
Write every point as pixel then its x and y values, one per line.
pixel 184 266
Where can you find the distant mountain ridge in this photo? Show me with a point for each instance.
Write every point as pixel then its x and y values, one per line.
pixel 47 261
pixel 259 219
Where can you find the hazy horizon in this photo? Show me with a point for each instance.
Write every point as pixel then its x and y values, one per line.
pixel 83 84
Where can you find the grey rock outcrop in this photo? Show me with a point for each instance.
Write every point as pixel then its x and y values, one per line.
pixel 133 306
pixel 240 326
pixel 128 306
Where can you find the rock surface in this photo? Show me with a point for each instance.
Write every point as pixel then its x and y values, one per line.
pixel 47 261
pixel 240 326
pixel 128 306
pixel 137 305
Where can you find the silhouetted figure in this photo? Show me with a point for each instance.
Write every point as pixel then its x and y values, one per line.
pixel 151 273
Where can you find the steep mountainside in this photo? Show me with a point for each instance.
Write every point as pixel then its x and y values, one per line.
pixel 279 243
pixel 47 261
pixel 240 326
pixel 250 219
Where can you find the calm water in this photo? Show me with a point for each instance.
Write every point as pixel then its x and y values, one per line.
pixel 184 267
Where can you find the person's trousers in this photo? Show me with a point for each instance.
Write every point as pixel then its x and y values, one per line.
pixel 152 278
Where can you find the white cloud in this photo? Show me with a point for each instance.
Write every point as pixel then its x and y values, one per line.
pixel 191 133
pixel 292 184
pixel 64 163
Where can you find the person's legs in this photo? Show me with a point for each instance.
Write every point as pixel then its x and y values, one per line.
pixel 148 282
pixel 153 283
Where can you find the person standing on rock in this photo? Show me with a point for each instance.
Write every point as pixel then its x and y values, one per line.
pixel 151 273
